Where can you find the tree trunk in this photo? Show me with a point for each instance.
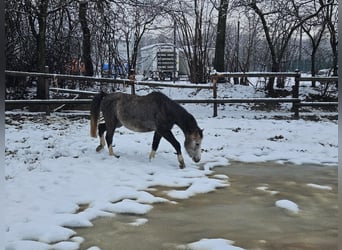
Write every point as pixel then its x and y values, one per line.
pixel 313 66
pixel 333 43
pixel 133 63
pixel 333 35
pixel 43 7
pixel 270 84
pixel 86 57
pixel 221 37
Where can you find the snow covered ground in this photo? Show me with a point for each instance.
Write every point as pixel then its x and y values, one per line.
pixel 55 180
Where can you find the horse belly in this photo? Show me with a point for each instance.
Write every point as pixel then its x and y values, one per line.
pixel 137 123
pixel 135 115
pixel 139 126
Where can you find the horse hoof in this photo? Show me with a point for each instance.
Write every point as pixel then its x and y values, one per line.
pixel 152 154
pixel 115 155
pixel 99 148
pixel 181 161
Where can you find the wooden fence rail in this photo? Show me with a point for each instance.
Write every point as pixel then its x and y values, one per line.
pixel 66 77
pixel 218 101
pixel 296 102
pixel 49 101
pixel 320 79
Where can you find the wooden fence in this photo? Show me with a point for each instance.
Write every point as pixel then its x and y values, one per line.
pixel 296 102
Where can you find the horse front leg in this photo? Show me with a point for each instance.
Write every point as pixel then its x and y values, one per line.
pixel 171 138
pixel 155 144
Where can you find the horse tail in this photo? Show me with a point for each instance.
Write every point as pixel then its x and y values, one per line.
pixel 95 113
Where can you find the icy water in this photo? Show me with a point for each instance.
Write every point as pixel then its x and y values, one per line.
pixel 244 212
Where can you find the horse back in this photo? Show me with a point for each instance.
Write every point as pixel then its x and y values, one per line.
pixel 141 113
pixel 137 113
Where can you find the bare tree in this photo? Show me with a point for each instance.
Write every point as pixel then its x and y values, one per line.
pixel 38 13
pixel 280 19
pixel 196 33
pixel 86 46
pixel 330 16
pixel 219 63
pixel 42 12
pixel 247 45
pixel 314 29
pixel 52 32
pixel 19 41
pixel 135 18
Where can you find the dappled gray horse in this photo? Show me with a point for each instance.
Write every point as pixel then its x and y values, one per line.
pixel 153 112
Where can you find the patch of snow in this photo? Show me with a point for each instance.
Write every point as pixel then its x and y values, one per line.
pixel 211 244
pixel 197 187
pixel 139 222
pixel 322 187
pixel 288 205
pixel 93 248
pixel 221 176
pixel 265 189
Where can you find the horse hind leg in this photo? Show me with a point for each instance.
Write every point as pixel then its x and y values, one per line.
pixel 102 144
pixel 101 129
pixel 111 152
pixel 109 140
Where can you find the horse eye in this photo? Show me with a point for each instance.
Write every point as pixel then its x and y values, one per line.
pixel 197 144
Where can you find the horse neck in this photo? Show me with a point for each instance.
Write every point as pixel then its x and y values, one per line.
pixel 186 121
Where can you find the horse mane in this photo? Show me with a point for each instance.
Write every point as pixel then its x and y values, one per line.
pixel 181 116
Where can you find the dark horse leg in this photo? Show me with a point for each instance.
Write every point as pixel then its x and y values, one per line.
pixel 109 138
pixel 155 144
pixel 170 138
pixel 102 130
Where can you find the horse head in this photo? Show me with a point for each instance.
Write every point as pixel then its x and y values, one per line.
pixel 192 144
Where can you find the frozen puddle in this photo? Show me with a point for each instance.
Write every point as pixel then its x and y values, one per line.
pixel 244 215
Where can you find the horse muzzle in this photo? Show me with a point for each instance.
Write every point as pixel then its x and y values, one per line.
pixel 196 159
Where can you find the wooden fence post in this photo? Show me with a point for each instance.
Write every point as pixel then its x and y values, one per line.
pixel 215 78
pixel 132 82
pixel 47 90
pixel 295 94
pixel 42 92
pixel 46 84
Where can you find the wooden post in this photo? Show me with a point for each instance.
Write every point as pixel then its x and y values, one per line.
pixel 132 81
pixel 47 90
pixel 215 79
pixel 295 94
pixel 42 92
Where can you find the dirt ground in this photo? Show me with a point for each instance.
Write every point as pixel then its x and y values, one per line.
pixel 245 212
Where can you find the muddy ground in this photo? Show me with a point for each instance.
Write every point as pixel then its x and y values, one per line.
pixel 245 212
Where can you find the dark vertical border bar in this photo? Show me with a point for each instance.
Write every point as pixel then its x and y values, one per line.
pixel 339 133
pixel 2 123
